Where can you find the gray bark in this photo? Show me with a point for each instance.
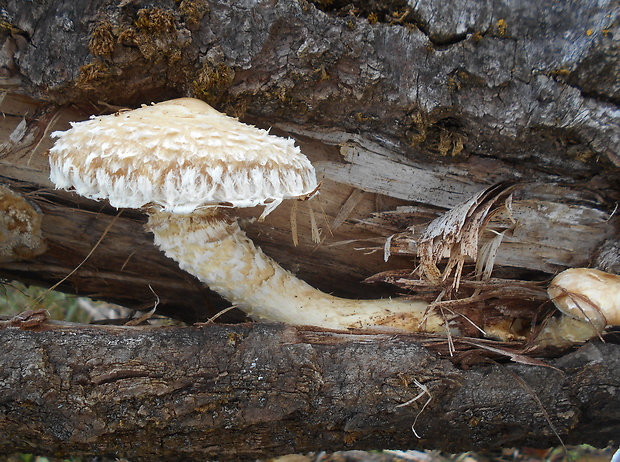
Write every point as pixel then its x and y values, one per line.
pixel 258 390
pixel 513 80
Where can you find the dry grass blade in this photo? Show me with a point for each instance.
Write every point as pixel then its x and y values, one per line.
pixel 316 232
pixel 294 224
pixel 216 315
pixel 103 235
pixel 424 391
pixel 347 208
pixel 514 355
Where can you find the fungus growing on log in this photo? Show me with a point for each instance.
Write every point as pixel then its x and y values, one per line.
pixel 20 228
pixel 589 300
pixel 185 163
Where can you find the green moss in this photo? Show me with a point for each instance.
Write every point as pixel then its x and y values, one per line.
pixel 436 134
pixel 212 82
pixel 93 75
pixel 155 21
pixel 156 35
pixel 193 11
pixel 418 128
pixel 102 39
pixel 450 143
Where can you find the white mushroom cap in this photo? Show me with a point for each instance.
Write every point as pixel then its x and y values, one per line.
pixel 180 155
pixel 587 294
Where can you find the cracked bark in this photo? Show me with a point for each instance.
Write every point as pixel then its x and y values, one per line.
pixel 420 106
pixel 255 390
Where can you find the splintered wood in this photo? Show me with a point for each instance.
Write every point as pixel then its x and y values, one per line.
pixel 374 202
pixel 495 307
pixel 534 233
pixel 454 235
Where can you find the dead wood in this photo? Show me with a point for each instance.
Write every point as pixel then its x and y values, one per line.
pixel 256 390
pixel 406 111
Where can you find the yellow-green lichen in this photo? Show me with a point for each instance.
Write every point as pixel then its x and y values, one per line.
pixel 361 118
pixel 562 72
pixel 459 79
pixel 11 28
pixel 322 74
pixel 234 338
pixel 502 28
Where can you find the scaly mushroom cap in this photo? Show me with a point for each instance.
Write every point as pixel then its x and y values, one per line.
pixel 587 294
pixel 179 155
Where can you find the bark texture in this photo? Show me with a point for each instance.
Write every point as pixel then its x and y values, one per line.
pixel 493 75
pixel 256 390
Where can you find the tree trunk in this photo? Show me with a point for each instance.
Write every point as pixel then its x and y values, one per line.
pixel 406 109
pixel 256 390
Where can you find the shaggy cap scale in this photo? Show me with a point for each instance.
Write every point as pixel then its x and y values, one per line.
pixel 179 155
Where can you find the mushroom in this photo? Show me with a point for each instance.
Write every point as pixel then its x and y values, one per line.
pixel 186 163
pixel 589 300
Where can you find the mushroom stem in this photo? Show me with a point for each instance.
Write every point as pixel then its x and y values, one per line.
pixel 213 248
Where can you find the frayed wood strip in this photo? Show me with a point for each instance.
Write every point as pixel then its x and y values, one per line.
pixel 487 256
pixel 454 235
pixel 294 224
pixel 316 232
pixel 347 208
pixel 386 248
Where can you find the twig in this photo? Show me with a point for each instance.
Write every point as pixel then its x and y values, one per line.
pixel 105 232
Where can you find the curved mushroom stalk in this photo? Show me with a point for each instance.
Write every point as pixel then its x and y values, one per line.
pixel 589 300
pixel 213 248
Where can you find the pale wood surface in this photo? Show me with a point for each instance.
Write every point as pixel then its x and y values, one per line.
pixel 366 197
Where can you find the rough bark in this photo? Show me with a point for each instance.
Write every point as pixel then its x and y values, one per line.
pixel 493 74
pixel 255 390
